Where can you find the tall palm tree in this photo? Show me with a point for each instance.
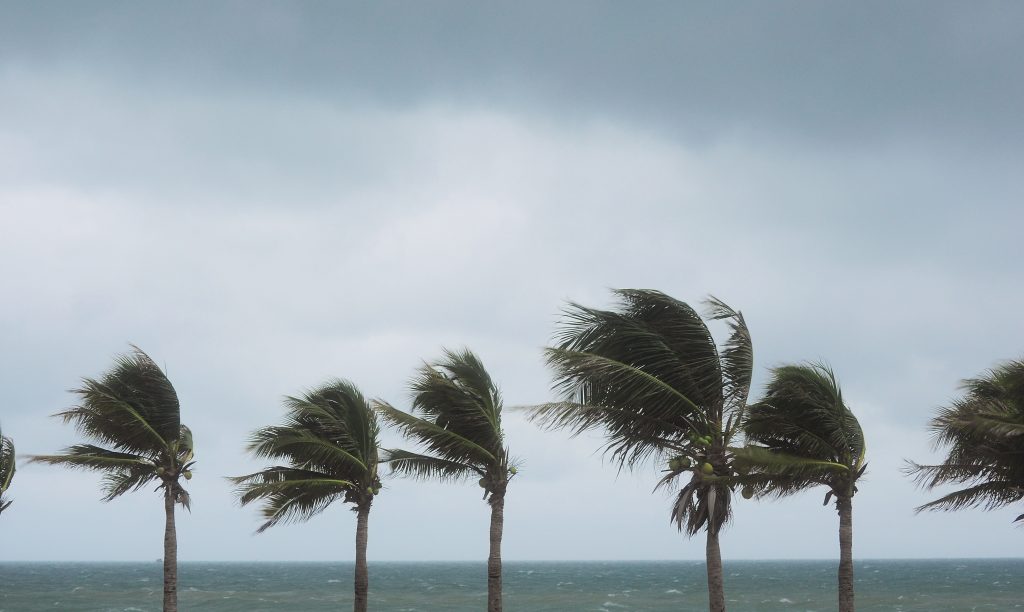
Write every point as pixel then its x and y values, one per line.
pixel 6 469
pixel 133 409
pixel 457 420
pixel 650 374
pixel 803 434
pixel 329 446
pixel 984 433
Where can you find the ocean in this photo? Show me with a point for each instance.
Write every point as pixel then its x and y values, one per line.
pixel 912 585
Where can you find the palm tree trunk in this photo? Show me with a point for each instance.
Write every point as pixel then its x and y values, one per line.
pixel 170 554
pixel 362 586
pixel 845 506
pixel 716 586
pixel 494 558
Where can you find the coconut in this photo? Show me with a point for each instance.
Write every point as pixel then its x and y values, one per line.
pixel 483 482
pixel 708 469
pixel 513 471
pixel 187 474
pixel 747 492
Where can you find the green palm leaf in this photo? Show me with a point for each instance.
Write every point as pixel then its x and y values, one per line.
pixel 289 494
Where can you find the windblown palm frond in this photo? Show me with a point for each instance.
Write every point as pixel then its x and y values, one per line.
pixel 6 469
pixel 134 409
pixel 803 434
pixel 650 375
pixel 329 441
pixel 982 431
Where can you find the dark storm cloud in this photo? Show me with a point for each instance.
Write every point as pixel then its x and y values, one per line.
pixel 863 72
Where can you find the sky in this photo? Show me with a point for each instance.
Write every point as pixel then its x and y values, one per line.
pixel 265 195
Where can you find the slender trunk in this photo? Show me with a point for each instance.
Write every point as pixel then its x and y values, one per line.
pixel 494 558
pixel 170 554
pixel 716 586
pixel 362 573
pixel 845 507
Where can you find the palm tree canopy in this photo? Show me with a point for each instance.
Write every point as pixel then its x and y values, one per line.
pixel 6 468
pixel 134 410
pixel 650 374
pixel 328 445
pixel 803 433
pixel 456 418
pixel 984 433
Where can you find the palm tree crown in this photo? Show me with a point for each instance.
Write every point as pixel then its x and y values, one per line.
pixel 803 434
pixel 984 433
pixel 651 375
pixel 6 469
pixel 133 412
pixel 456 417
pixel 328 444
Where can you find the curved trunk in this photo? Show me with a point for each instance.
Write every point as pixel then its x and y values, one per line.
pixel 494 558
pixel 362 586
pixel 170 554
pixel 716 586
pixel 845 507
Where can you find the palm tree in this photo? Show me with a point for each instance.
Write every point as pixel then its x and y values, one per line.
pixel 650 374
pixel 6 469
pixel 984 431
pixel 804 435
pixel 329 446
pixel 133 409
pixel 459 425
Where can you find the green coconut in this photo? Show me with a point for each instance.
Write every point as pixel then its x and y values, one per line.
pixel 747 492
pixel 707 469
pixel 483 482
pixel 513 471
pixel 187 474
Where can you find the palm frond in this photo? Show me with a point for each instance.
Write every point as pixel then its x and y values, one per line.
pixel 123 472
pixel 444 443
pixel 987 495
pixel 425 467
pixel 289 494
pixel 737 359
pixel 632 437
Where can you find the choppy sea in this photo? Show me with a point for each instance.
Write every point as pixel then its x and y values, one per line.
pixel 912 585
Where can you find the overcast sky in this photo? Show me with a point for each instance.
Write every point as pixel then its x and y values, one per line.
pixel 264 195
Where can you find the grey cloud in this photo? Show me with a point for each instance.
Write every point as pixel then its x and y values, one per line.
pixel 871 72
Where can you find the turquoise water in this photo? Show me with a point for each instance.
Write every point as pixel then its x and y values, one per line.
pixel 932 586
